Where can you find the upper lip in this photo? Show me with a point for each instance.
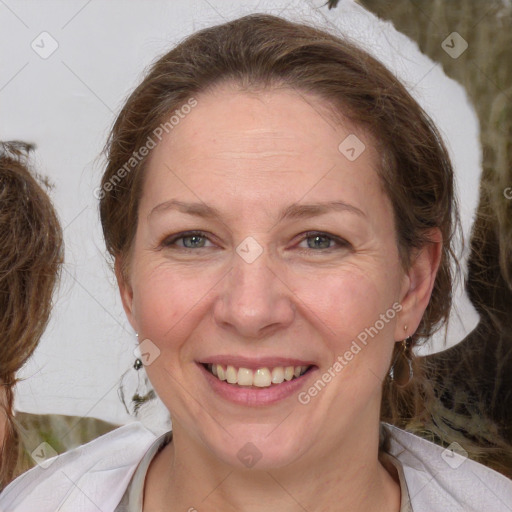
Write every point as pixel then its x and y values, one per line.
pixel 255 363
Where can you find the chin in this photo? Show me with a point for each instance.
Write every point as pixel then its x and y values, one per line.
pixel 261 447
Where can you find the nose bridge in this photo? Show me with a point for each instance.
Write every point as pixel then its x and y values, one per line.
pixel 252 280
pixel 253 298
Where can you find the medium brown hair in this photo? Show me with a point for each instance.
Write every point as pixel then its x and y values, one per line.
pixel 259 52
pixel 31 252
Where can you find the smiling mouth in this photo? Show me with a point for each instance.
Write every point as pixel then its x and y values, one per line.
pixel 260 377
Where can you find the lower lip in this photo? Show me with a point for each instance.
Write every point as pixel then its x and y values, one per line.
pixel 252 396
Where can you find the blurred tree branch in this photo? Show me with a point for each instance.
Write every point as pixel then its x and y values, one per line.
pixel 476 375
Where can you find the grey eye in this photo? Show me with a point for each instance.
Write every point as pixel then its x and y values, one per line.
pixel 195 241
pixel 319 242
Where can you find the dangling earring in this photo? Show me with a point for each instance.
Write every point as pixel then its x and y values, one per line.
pixel 143 391
pixel 401 371
pixel 138 362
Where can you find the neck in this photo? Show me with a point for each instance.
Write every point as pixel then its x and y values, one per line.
pixel 343 474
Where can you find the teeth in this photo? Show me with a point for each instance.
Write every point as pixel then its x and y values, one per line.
pixel 221 374
pixel 231 375
pixel 245 377
pixel 277 375
pixel 261 378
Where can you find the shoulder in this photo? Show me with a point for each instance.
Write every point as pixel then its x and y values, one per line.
pixel 96 472
pixel 440 479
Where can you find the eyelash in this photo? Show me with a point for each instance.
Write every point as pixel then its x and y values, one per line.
pixel 170 241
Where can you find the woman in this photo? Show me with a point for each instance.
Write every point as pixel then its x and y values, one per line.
pixel 280 212
pixel 31 252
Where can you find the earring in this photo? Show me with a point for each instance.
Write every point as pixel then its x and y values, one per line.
pixel 138 362
pixel 137 385
pixel 401 371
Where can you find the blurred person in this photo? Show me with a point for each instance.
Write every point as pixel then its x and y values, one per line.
pixel 31 255
pixel 31 252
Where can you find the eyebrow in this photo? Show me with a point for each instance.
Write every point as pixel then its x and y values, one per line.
pixel 293 211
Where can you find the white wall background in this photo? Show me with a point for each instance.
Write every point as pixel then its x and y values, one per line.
pixel 66 102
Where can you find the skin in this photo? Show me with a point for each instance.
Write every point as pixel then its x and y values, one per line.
pixel 250 155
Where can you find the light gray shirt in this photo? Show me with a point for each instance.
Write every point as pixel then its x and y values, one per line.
pixel 133 497
pixel 108 474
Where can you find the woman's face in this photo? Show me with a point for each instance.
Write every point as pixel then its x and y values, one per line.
pixel 277 277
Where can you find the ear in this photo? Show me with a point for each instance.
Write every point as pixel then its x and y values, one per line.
pixel 126 292
pixel 418 284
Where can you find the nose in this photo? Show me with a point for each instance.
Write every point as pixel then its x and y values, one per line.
pixel 255 300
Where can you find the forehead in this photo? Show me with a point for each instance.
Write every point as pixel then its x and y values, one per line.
pixel 278 119
pixel 268 145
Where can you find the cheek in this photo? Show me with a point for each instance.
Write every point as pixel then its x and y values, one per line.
pixel 347 302
pixel 356 319
pixel 355 315
pixel 162 299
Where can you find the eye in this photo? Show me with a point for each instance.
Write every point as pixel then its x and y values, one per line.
pixel 190 240
pixel 318 241
pixel 322 241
